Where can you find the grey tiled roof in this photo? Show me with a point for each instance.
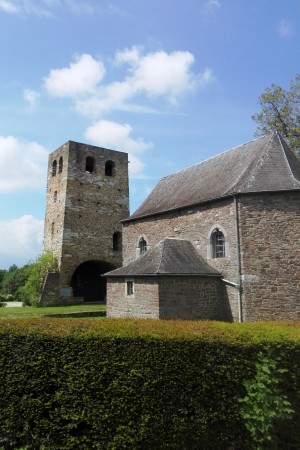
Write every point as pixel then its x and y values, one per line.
pixel 170 256
pixel 262 165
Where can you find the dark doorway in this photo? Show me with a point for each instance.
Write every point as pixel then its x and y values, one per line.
pixel 88 283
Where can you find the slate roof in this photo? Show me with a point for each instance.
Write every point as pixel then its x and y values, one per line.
pixel 265 164
pixel 170 256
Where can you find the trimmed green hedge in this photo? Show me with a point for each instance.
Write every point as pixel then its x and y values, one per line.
pixel 138 384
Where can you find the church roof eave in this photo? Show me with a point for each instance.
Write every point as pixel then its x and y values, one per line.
pixel 193 205
pixel 266 164
pixel 169 257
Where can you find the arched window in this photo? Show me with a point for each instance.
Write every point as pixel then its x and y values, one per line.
pixel 109 168
pixel 117 241
pixel 54 168
pixel 218 243
pixel 89 164
pixel 60 164
pixel 142 246
pixel 55 196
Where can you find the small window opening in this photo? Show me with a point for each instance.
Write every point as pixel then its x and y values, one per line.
pixel 90 164
pixel 109 168
pixel 60 164
pixel 117 241
pixel 142 246
pixel 54 168
pixel 55 196
pixel 52 228
pixel 129 288
pixel 218 244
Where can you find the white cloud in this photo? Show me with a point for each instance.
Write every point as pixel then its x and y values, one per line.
pixel 20 240
pixel 8 6
pixel 155 75
pixel 22 164
pixel 81 77
pixel 40 8
pixel 213 3
pixel 82 8
pixel 163 74
pixel 206 77
pixel 52 7
pixel 118 137
pixel 211 6
pixel 31 98
pixel 129 55
pixel 285 28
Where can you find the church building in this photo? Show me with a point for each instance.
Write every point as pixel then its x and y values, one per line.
pixel 217 241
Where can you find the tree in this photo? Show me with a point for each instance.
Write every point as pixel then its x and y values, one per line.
pixel 13 279
pixel 281 111
pixel 38 270
pixel 24 283
pixel 2 275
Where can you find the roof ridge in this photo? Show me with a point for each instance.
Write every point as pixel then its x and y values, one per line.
pixel 163 243
pixel 257 165
pixel 286 158
pixel 160 243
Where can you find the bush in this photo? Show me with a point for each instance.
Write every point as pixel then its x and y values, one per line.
pixel 264 403
pixel 6 297
pixel 29 293
pixel 139 384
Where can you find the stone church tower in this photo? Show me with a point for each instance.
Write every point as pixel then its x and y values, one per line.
pixel 87 197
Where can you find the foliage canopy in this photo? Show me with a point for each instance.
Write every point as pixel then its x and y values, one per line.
pixel 280 110
pixel 24 283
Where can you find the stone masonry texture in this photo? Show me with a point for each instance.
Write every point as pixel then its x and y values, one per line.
pixel 270 251
pixel 88 207
pixel 175 297
pixel 268 230
pixel 86 200
pixel 195 224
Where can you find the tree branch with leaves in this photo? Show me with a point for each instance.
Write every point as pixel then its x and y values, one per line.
pixel 280 110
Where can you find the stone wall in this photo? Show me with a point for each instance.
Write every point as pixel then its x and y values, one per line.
pixel 190 298
pixel 181 297
pixel 55 201
pixel 143 304
pixel 84 208
pixel 269 230
pixel 195 224
pixel 95 206
pixel 51 292
pixel 270 257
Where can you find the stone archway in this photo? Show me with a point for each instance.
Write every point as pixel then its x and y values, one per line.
pixel 88 283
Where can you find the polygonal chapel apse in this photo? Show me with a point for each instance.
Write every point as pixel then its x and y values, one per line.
pixel 87 282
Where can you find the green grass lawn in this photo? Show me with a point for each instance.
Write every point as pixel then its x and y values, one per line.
pixel 68 311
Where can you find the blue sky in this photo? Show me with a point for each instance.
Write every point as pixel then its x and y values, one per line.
pixel 171 82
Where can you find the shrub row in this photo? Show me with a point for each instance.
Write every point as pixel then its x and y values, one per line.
pixel 138 384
